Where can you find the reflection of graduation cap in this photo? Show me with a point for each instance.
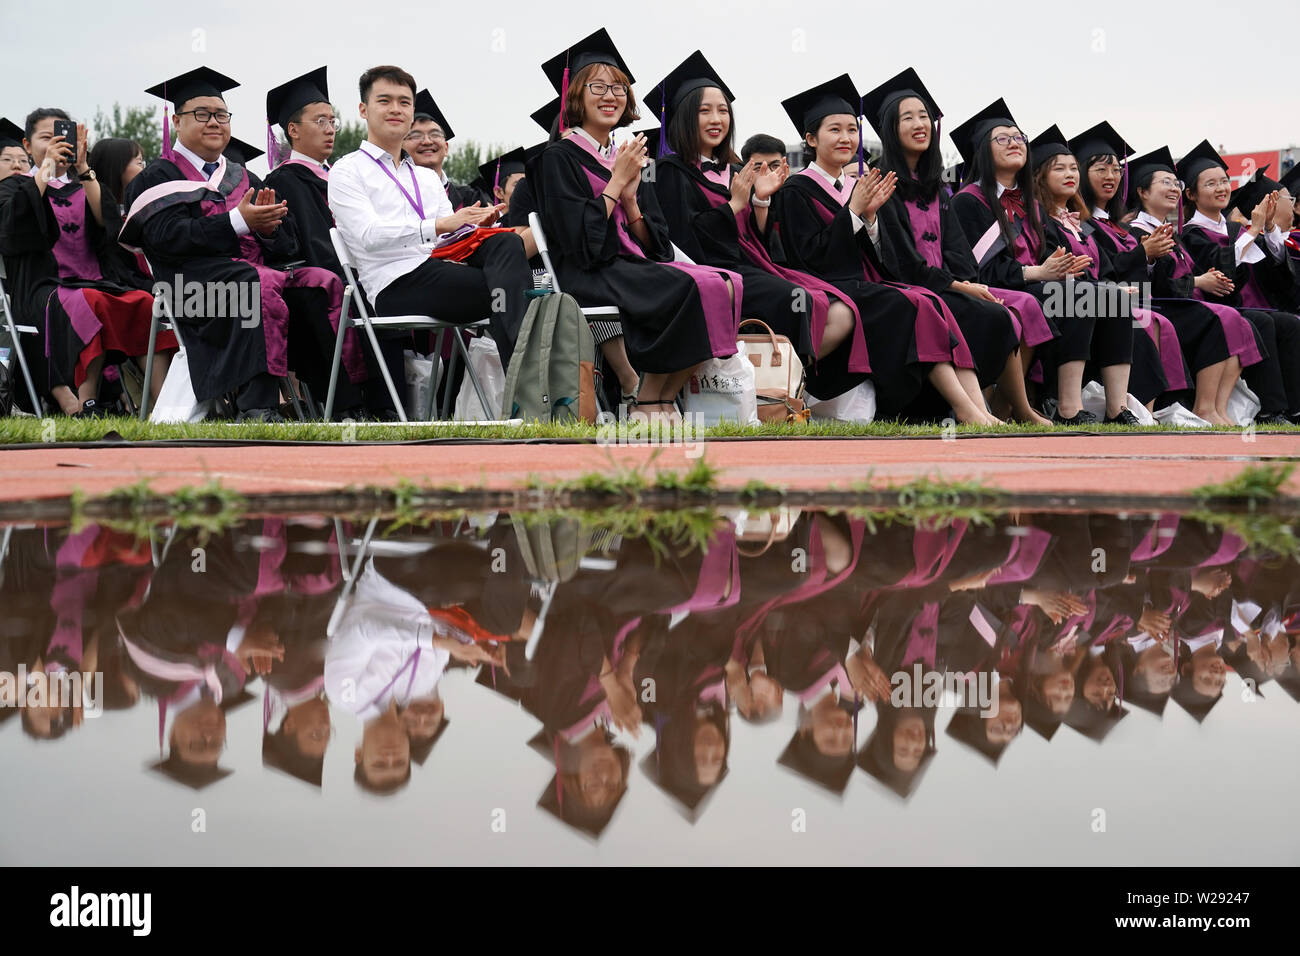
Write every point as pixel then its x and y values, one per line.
pixel 420 751
pixel 1252 192
pixel 1192 701
pixel 1040 717
pixel 802 756
pixel 807 109
pixel 11 134
pixel 240 152
pixel 1094 722
pixel 968 135
pixel 496 172
pixel 194 776
pixel 1123 660
pixel 693 73
pixel 425 106
pixel 596 48
pixel 1239 660
pixel 288 98
pixel 1050 142
pixel 279 753
pixel 878 105
pixel 971 729
pixel 1099 140
pixel 198 82
pixel 1158 160
pixel 569 808
pixel 1203 156
pixel 877 757
pixel 672 776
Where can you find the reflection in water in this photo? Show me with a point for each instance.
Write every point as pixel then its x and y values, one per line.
pixel 864 635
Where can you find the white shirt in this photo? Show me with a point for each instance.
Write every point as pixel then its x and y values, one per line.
pixel 1145 218
pixel 385 234
pixel 304 158
pixel 377 637
pixel 197 161
pixel 1097 212
pixel 606 151
pixel 873 230
pixel 1245 249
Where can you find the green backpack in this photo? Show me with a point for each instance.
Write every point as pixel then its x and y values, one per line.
pixel 552 370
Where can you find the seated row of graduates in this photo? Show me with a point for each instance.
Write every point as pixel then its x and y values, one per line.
pixel 944 301
pixel 718 631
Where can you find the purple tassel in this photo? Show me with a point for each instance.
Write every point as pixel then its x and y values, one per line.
pixel 1123 184
pixel 167 152
pixel 564 95
pixel 273 155
pixel 862 164
pixel 663 149
pixel 496 179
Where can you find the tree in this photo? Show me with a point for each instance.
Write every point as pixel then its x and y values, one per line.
pixel 466 157
pixel 348 138
pixel 139 123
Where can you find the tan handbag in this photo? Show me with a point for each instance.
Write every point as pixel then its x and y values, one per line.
pixel 778 374
pixel 765 529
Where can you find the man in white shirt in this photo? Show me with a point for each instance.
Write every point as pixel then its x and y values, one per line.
pixel 393 214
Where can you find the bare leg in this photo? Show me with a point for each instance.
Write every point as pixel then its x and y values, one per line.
pixel 1069 389
pixel 971 384
pixel 69 403
pixel 1208 380
pixel 89 388
pixel 162 361
pixel 839 323
pixel 1011 389
pixel 1115 380
pixel 944 378
pixel 616 358
pixel 1231 372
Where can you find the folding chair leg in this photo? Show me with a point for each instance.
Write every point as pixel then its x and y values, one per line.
pixel 473 380
pixel 287 384
pixel 449 400
pixel 336 364
pixel 312 408
pixel 398 404
pixel 148 364
pixel 433 380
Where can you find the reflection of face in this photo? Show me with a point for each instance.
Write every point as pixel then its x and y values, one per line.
pixel 832 728
pixel 710 752
pixel 199 734
pixel 715 120
pixel 1006 723
pixel 1208 672
pixel 600 774
pixel 1269 654
pixel 909 743
pixel 768 695
pixel 1099 688
pixel 422 718
pixel 1104 178
pixel 313 135
pixel 385 751
pixel 836 141
pixel 309 725
pixel 1155 666
pixel 1058 692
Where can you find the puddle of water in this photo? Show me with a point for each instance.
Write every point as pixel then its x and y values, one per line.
pixel 734 687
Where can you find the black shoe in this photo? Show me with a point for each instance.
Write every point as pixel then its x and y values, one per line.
pixel 270 416
pixel 1272 418
pixel 1125 417
pixel 92 409
pixel 1082 417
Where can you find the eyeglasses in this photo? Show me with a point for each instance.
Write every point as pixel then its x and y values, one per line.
pixel 1217 183
pixel 1166 182
pixel 414 137
pixel 203 116
pixel 14 160
pixel 328 122
pixel 1005 140
pixel 600 89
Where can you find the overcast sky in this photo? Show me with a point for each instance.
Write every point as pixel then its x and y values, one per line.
pixel 1072 64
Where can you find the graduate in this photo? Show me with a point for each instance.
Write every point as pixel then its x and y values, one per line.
pixel 932 250
pixel 199 216
pixel 1282 282
pixel 57 234
pixel 1136 367
pixel 428 142
pixel 823 220
pixel 506 173
pixel 13 156
pixel 1250 256
pixel 1217 341
pixel 1004 224
pixel 608 238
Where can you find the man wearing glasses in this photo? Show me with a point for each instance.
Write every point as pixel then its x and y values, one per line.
pixel 200 218
pixel 427 144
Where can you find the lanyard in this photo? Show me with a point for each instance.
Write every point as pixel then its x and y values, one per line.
pixel 417 203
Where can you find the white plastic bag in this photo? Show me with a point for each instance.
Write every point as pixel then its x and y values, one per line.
pixel 1176 414
pixel 1094 400
pixel 723 390
pixel 176 401
pixel 858 404
pixel 485 360
pixel 421 377
pixel 1243 404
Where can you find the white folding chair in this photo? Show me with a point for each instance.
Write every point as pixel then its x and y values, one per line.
pixel 353 296
pixel 162 318
pixel 15 330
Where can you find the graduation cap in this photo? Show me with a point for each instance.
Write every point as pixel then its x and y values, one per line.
pixel 596 48
pixel 802 756
pixel 1094 723
pixel 1123 660
pixel 1099 140
pixel 690 797
pixel 288 98
pixel 877 757
pixel 1192 701
pixel 880 103
pixel 10 134
pixel 693 73
pixel 968 727
pixel 279 754
pixel 1158 160
pixel 496 172
pixel 547 115
pixel 425 106
pixel 569 808
pixel 240 152
pixel 1252 192
pixel 1202 157
pixel 194 776
pixel 179 90
pixel 1050 142
pixel 1041 718
pixel 807 109
pixel 1290 180
pixel 968 135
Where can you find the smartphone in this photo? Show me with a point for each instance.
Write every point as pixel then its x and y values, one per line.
pixel 68 130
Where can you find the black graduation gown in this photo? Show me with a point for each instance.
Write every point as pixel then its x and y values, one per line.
pixel 664 325
pixel 1276 380
pixel 799 236
pixel 708 234
pixel 465 195
pixel 308 197
pixel 180 239
pixel 29 232
pixel 987 326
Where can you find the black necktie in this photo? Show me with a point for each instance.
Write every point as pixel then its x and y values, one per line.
pixel 709 167
pixel 838 184
pixel 209 169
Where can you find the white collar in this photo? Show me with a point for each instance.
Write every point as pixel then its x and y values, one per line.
pixel 304 158
pixel 193 158
pixel 1002 189
pixel 1099 213
pixel 817 168
pixel 65 178
pixel 379 153
pixel 604 150
pixel 1201 219
pixel 1146 219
